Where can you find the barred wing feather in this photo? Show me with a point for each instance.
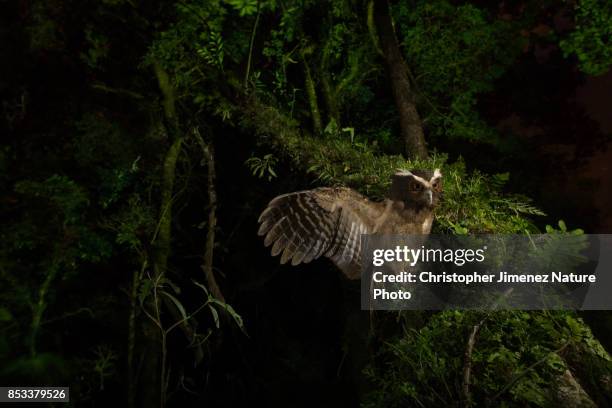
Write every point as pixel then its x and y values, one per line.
pixel 305 225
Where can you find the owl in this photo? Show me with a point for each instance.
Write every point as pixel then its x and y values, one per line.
pixel 329 221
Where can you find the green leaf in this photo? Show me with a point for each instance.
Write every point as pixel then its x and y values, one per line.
pixel 215 315
pixel 244 7
pixel 173 285
pixel 177 303
pixel 198 284
pixel 237 318
pixel 562 226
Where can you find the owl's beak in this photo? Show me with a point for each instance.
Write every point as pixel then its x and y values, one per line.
pixel 430 196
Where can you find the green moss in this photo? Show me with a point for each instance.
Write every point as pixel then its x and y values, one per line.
pixel 473 201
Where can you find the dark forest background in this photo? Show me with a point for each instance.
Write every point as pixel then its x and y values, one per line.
pixel 141 140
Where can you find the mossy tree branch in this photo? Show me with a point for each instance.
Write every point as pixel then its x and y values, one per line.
pixel 329 93
pixel 39 307
pixel 470 203
pixel 152 382
pixel 164 234
pixel 311 91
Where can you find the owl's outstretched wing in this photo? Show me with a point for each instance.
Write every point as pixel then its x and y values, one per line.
pixel 308 224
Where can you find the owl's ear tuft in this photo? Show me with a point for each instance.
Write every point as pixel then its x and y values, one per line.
pixel 403 173
pixel 437 174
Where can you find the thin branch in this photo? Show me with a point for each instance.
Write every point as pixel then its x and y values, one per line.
pixel 186 318
pixel 467 365
pixel 119 91
pixel 146 312
pixel 248 67
pixel 70 314
pixel 207 267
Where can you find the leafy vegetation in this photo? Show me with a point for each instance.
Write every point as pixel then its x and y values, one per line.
pixel 590 41
pixel 519 359
pixel 478 52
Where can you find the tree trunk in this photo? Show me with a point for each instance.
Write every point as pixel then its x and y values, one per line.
pixel 311 93
pixel 164 232
pixel 329 97
pixel 329 94
pixel 410 121
pixel 132 377
pixel 569 393
pixel 151 392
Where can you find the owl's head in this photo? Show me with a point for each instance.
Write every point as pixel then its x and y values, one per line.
pixel 417 188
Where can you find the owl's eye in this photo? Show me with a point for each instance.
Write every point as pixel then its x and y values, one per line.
pixel 436 185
